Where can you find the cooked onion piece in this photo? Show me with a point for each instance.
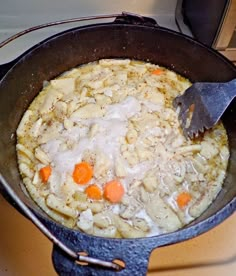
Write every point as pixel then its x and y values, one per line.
pixel 100 149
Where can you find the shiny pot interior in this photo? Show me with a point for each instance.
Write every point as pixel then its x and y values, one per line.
pixel 64 51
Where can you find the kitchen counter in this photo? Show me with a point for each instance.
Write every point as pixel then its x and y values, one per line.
pixel 25 251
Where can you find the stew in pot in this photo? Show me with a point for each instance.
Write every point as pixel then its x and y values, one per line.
pixel 100 149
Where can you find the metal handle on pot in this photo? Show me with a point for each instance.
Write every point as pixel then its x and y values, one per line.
pixel 4 68
pixel 135 256
pixel 55 23
pixel 124 17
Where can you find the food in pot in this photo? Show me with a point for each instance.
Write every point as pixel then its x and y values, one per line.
pixel 100 149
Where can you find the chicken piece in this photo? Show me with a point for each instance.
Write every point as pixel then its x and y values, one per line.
pixel 162 215
pixel 64 85
pixel 209 149
pixel 88 111
pixel 85 221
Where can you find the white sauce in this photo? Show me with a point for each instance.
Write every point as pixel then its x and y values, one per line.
pixel 124 110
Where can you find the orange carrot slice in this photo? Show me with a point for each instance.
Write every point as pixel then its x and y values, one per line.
pixel 114 191
pixel 183 199
pixel 45 173
pixel 157 72
pixel 93 192
pixel 82 173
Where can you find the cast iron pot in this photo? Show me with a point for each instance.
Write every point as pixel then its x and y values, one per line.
pixel 126 37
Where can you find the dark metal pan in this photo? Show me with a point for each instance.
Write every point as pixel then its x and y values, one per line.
pixel 126 37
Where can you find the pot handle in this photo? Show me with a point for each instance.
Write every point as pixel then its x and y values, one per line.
pixel 135 19
pixel 124 17
pixel 132 258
